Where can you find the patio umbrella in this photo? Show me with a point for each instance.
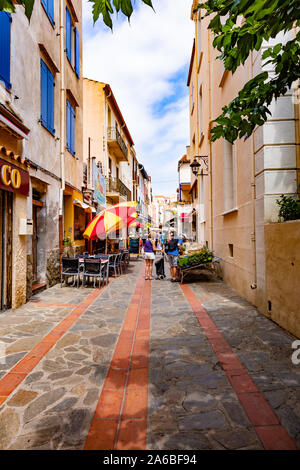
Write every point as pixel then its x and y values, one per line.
pixel 114 218
pixel 137 224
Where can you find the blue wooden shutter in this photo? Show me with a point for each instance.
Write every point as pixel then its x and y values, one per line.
pixel 68 126
pixel 50 10
pixel 44 94
pixel 50 102
pixel 5 20
pixel 77 55
pixel 68 35
pixel 72 115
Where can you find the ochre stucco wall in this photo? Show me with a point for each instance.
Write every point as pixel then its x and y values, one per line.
pixel 19 261
pixel 283 274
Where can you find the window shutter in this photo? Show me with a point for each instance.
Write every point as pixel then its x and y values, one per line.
pixel 50 102
pixel 68 125
pixel 44 99
pixel 72 130
pixel 44 3
pixel 50 10
pixel 77 55
pixel 68 35
pixel 5 20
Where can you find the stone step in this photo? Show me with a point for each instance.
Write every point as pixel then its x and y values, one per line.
pixel 38 287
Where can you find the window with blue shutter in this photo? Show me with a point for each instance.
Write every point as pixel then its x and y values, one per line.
pixel 77 53
pixel 5 21
pixel 68 35
pixel 49 9
pixel 70 128
pixel 47 98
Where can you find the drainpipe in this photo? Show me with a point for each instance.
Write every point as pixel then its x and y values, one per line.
pixel 210 147
pixel 253 197
pixel 62 126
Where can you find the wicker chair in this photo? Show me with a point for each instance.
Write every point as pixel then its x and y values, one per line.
pixel 92 268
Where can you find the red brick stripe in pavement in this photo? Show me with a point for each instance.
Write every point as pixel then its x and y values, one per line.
pixel 120 419
pixel 10 381
pixel 272 435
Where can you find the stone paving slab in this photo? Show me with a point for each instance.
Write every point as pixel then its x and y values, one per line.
pixel 262 346
pixel 53 407
pixel 192 404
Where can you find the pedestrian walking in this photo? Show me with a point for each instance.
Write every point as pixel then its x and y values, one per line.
pixel 172 250
pixel 149 251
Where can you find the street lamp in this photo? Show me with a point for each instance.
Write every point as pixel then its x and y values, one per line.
pixel 195 165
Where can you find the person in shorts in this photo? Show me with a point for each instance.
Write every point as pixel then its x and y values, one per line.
pixel 172 250
pixel 149 253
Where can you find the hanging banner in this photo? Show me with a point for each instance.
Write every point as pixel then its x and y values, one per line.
pixel 99 185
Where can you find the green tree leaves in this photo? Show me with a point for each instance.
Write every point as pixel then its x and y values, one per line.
pixel 106 9
pixel 239 27
pixel 100 7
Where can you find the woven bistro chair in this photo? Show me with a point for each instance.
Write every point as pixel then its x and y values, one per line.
pixel 70 267
pixel 92 268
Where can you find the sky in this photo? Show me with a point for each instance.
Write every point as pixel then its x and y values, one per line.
pixel 146 63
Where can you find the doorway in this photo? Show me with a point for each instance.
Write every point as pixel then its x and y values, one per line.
pixel 6 213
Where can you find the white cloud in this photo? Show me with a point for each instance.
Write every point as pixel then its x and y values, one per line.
pixel 139 61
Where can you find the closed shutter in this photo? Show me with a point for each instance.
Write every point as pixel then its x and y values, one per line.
pixel 5 20
pixel 72 131
pixel 47 97
pixel 50 10
pixel 50 102
pixel 68 126
pixel 68 35
pixel 77 55
pixel 44 94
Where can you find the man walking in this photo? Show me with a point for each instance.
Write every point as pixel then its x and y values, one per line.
pixel 172 250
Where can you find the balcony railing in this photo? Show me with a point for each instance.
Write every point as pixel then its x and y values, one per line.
pixel 115 185
pixel 113 135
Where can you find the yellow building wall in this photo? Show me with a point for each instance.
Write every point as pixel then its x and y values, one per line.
pixel 283 274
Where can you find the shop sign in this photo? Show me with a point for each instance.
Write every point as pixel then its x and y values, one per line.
pixel 13 179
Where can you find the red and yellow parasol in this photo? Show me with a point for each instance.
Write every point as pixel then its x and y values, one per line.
pixel 114 218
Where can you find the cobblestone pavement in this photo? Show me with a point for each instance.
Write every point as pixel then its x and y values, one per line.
pixel 132 366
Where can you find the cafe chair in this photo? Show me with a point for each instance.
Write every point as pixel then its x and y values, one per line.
pixel 92 268
pixel 70 267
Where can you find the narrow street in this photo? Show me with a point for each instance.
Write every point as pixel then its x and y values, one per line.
pixel 146 365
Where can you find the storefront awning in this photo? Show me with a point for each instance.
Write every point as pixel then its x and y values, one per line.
pixel 83 205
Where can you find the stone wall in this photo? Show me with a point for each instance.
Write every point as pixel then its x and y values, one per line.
pixel 282 245
pixel 53 274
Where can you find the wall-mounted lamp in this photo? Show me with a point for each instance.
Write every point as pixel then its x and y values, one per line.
pixel 195 165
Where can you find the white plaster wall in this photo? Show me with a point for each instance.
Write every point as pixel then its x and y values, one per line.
pixel 185 174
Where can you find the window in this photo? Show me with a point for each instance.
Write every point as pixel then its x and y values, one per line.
pixel 47 98
pixel 199 42
pixel 49 9
pixel 192 96
pixel 229 176
pixel 70 128
pixel 77 54
pixel 200 114
pixel 5 21
pixel 69 35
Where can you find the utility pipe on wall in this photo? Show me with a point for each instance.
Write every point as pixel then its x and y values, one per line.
pixel 210 147
pixel 62 126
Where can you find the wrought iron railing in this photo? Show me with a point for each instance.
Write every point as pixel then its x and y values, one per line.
pixel 115 185
pixel 114 134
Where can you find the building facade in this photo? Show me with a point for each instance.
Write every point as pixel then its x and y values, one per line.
pixel 41 136
pixel 236 186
